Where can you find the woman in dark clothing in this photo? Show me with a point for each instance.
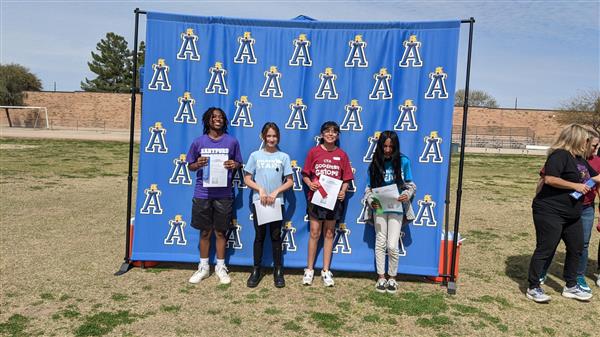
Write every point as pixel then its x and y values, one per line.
pixel 557 214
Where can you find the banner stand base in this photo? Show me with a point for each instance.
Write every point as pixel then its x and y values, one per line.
pixel 452 288
pixel 125 267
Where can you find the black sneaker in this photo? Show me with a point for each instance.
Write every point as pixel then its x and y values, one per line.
pixel 278 279
pixel 254 278
pixel 392 286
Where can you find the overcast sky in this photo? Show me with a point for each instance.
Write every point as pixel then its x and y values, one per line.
pixel 541 52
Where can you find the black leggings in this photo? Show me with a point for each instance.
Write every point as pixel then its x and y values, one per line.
pixel 259 239
pixel 549 230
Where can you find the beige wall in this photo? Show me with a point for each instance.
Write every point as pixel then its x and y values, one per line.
pixel 79 109
pixel 541 122
pixel 99 110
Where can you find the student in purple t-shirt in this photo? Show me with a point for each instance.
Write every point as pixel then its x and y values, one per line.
pixel 212 206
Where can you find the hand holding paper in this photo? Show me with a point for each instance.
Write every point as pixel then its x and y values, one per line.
pixel 388 197
pixel 576 195
pixel 326 194
pixel 268 213
pixel 215 173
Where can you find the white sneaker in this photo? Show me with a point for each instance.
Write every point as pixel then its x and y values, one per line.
pixel 577 293
pixel 381 285
pixel 392 286
pixel 223 275
pixel 309 274
pixel 200 274
pixel 327 277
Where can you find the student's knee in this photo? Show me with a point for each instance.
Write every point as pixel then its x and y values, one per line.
pixel 392 251
pixel 220 235
pixel 315 234
pixel 205 234
pixel 329 233
pixel 381 245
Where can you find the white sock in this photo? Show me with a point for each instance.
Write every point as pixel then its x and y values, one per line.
pixel 220 262
pixel 203 262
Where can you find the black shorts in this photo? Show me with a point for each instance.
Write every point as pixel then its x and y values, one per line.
pixel 208 214
pixel 321 213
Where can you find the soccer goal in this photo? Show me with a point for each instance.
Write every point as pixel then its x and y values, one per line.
pixel 27 116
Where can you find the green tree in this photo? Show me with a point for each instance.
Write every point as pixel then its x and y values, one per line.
pixel 478 98
pixel 113 64
pixel 14 80
pixel 140 61
pixel 583 108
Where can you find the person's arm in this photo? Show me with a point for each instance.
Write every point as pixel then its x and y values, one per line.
pixel 409 186
pixel 236 162
pixel 409 191
pixel 347 177
pixel 313 185
pixel 289 182
pixel 567 185
pixel 287 175
pixel 343 190
pixel 197 162
pixel 306 172
pixel 256 187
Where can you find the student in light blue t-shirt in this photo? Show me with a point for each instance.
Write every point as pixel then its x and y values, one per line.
pixel 268 173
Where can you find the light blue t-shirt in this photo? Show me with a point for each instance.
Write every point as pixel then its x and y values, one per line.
pixel 268 170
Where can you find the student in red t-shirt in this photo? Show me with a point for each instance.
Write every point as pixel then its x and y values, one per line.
pixel 329 160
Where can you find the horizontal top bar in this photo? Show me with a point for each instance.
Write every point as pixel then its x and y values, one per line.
pixel 471 19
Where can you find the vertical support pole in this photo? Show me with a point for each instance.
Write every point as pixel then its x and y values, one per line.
pixel 127 260
pixel 452 282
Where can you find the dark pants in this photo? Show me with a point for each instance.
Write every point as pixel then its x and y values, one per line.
pixel 259 239
pixel 549 230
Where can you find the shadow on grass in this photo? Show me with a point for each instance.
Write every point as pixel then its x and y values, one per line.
pixel 517 268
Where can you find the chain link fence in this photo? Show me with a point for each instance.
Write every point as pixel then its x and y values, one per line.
pixel 499 137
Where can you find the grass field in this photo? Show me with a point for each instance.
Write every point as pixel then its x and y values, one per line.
pixel 62 238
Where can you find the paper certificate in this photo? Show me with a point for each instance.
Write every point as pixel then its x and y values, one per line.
pixel 388 198
pixel 214 174
pixel 327 195
pixel 268 213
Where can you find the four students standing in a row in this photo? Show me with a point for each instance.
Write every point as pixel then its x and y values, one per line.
pixel 268 173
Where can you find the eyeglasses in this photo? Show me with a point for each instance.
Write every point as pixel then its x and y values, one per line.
pixel 594 146
pixel 330 131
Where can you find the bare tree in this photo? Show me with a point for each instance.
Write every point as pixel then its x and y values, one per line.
pixel 584 109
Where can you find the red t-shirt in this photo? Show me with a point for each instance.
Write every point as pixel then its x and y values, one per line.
pixel 334 164
pixel 589 197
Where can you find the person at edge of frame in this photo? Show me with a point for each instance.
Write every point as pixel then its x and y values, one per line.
pixel 587 216
pixel 557 214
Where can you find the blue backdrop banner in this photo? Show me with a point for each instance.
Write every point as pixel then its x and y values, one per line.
pixel 368 77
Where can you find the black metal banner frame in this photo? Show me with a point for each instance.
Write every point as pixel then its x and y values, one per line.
pixel 449 279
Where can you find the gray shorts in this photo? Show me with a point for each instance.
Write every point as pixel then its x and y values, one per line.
pixel 209 214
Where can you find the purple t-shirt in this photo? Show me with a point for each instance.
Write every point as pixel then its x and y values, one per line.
pixel 226 143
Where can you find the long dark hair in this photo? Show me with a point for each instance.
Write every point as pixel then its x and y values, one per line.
pixel 377 168
pixel 207 116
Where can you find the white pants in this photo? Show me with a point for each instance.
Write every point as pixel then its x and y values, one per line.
pixel 387 236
